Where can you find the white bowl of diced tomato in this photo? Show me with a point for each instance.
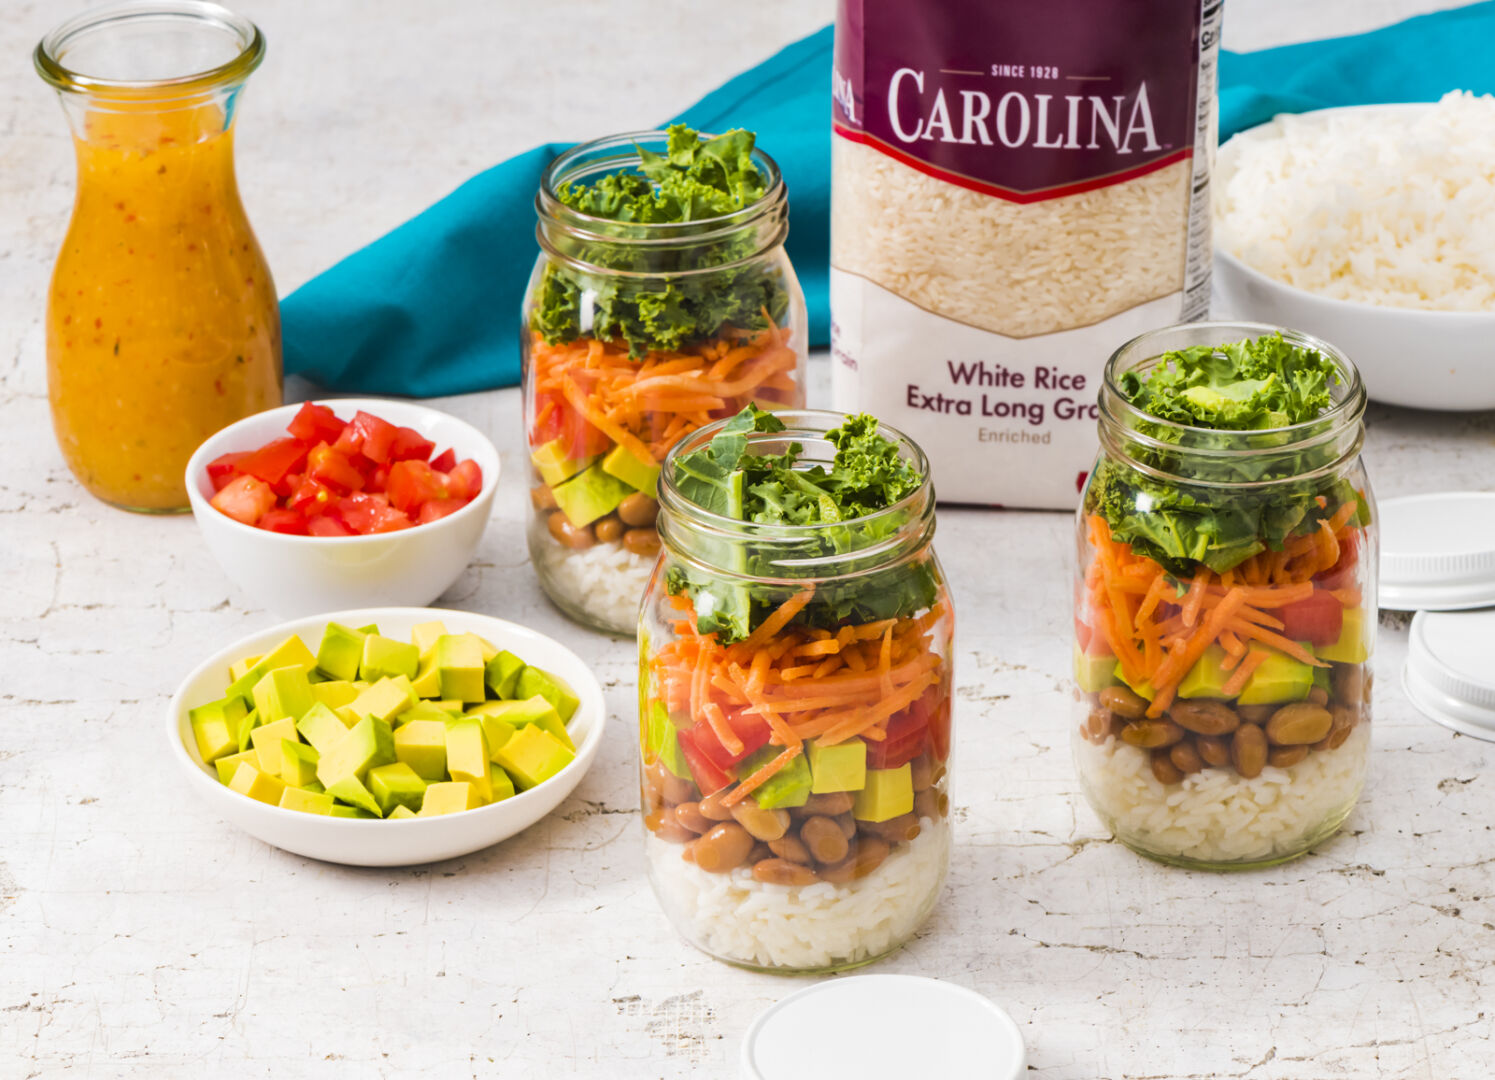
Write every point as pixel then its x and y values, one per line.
pixel 343 503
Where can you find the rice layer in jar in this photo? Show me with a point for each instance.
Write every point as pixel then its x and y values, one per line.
pixel 795 692
pixel 1225 601
pixel 662 300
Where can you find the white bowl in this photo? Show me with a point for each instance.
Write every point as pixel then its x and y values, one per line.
pixel 1422 359
pixel 302 575
pixel 366 842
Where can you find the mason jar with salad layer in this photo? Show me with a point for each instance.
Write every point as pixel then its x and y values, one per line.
pixel 661 302
pixel 1225 601
pixel 795 692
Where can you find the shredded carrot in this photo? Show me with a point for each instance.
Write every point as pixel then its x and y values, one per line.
pixel 1237 681
pixel 719 726
pixel 780 618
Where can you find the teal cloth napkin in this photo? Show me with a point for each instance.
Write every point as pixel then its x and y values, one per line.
pixel 433 307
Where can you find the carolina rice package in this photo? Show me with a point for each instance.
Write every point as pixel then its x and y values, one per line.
pixel 1018 188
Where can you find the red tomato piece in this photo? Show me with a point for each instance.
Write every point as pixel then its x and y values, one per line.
pixel 410 445
pixel 328 525
pixel 412 484
pixel 437 509
pixel 465 480
pixel 1342 574
pixel 908 735
pixel 377 480
pixel 708 777
pixel 555 418
pixel 284 521
pixel 332 468
pixel 315 423
pixel 371 514
pixel 246 499
pixel 444 461
pixel 275 460
pixel 375 436
pixel 752 729
pixel 939 730
pixel 1318 619
pixel 223 469
pixel 311 497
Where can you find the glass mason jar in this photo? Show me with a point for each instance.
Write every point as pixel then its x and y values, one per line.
pixel 1223 716
pixel 827 669
pixel 600 415
pixel 162 321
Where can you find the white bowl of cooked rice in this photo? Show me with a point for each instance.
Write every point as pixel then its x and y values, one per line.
pixel 1372 227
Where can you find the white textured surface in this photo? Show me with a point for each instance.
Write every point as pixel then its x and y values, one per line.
pixel 141 936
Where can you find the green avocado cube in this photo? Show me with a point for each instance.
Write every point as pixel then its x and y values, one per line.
pixel 502 784
pixel 425 710
pixel 627 467
pixel 423 636
pixel 386 658
pixel 266 740
pixel 313 785
pixel 292 652
pixel 449 797
pixel 842 767
pixel 321 727
pixel 400 812
pixel 1206 678
pixel 308 802
pixel 533 756
pixel 334 693
pixel 533 681
pixel 368 744
pixel 661 740
pixel 496 731
pixel 396 785
pixel 282 692
pixel 1278 678
pixel 502 673
pixel 371 628
pixel 531 710
pixel 352 791
pixel 590 495
pixel 298 763
pixel 227 765
pixel 427 681
pixel 247 723
pixel 467 756
pixel 889 793
pixel 247 780
pixel 1094 673
pixel 341 652
pixel 459 658
pixel 339 810
pixel 453 709
pixel 1142 688
pixel 386 699
pixel 554 464
pixel 239 668
pixel 1353 646
pixel 422 744
pixel 215 728
pixel 785 789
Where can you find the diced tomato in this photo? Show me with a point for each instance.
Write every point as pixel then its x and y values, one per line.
pixel 370 436
pixel 555 418
pixel 376 481
pixel 908 734
pixel 1318 619
pixel 371 514
pixel 332 468
pixel 707 776
pixel 273 461
pixel 465 480
pixel 751 728
pixel 444 461
pixel 437 509
pixel 328 525
pixel 1342 574
pixel 311 497
pixel 315 423
pixel 412 484
pixel 1082 634
pixel 246 499
pixel 284 521
pixel 410 445
pixel 223 469
pixel 939 730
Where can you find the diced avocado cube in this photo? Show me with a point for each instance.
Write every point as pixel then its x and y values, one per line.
pixel 842 767
pixel 339 810
pixel 321 727
pixel 663 742
pixel 486 648
pixel 368 744
pixel 239 668
pixel 227 765
pixel 467 756
pixel 552 688
pixel 1355 638
pixel 449 797
pixel 425 710
pixel 386 699
pixel 459 658
pixel 453 709
pixel 427 681
pixel 1094 673
pixel 298 763
pixel 292 652
pixel 215 728
pixel 423 636
pixel 590 495
pixel 502 673
pixel 334 693
pixel 785 789
pixel 889 793
pixel 554 464
pixel 533 756
pixel 247 723
pixel 248 780
pixel 627 467
pixel 496 732
pixel 421 744
pixel 347 714
pixel 352 791
pixel 313 785
pixel 266 740
pixel 1142 688
pixel 1206 678
pixel 396 785
pixel 531 710
pixel 1278 678
pixel 503 786
pixel 308 802
pixel 341 652
pixel 400 812
pixel 386 658
pixel 282 692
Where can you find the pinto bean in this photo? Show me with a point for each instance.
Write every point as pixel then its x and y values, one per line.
pixel 830 803
pixel 642 541
pixel 609 530
pixel 763 824
pixel 724 848
pixel 1204 717
pixel 1152 734
pixel 541 497
pixel 711 806
pixel 1348 683
pixel 867 857
pixel 1255 714
pixel 922 771
pixel 896 830
pixel 1248 750
pixel 1215 752
pixel 576 537
pixel 927 804
pixel 1185 758
pixel 847 824
pixel 792 848
pixel 689 814
pixel 1164 769
pixel 823 838
pixel 1299 724
pixel 1283 756
pixel 1123 702
pixel 638 509
pixel 671 830
pixel 783 872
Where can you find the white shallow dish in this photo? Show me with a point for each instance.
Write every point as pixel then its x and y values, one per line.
pixel 365 842
pixel 1422 359
pixel 302 575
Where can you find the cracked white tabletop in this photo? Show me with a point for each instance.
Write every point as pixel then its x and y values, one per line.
pixel 140 935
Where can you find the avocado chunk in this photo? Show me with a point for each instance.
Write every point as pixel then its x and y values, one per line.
pixel 321 727
pixel 502 784
pixel 400 812
pixel 386 658
pixel 227 765
pixel 1142 689
pixel 590 495
pixel 1206 678
pixel 298 763
pixel 533 681
pixel 1353 646
pixel 368 743
pixel 247 723
pixel 281 693
pixel 889 793
pixel 386 699
pixel 351 790
pixel 459 660
pixel 334 693
pixel 396 785
pixel 340 652
pixel 308 802
pixel 502 673
pixel 248 780
pixel 530 710
pixel 664 742
pixel 215 727
pixel 239 668
pixel 532 756
pixel 292 652
pixel 785 789
pixel 421 744
pixel 427 681
pixel 467 756
pixel 449 797
pixel 633 471
pixel 1278 678
pixel 423 636
pixel 554 464
pixel 266 740
pixel 842 767
pixel 339 810
pixel 1094 673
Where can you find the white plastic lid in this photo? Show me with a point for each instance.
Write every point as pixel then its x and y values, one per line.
pixel 1438 551
pixel 1450 672
pixel 908 1026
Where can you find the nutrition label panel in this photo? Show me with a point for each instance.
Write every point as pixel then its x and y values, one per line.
pixel 1197 252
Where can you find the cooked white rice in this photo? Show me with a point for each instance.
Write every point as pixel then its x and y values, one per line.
pixel 603 584
pixel 1215 815
pixel 805 927
pixel 1389 207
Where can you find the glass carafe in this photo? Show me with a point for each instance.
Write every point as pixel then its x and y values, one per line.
pixel 162 323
